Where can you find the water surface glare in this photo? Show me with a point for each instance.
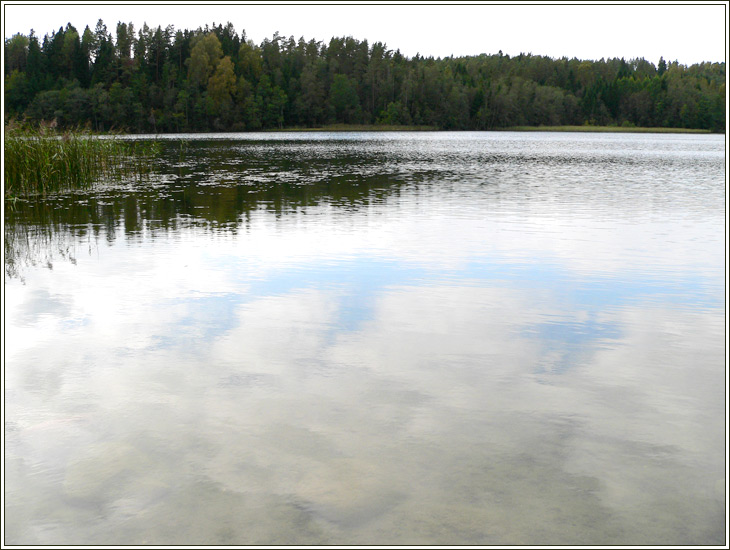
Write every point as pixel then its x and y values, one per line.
pixel 364 338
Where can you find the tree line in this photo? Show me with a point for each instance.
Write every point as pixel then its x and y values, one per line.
pixel 213 79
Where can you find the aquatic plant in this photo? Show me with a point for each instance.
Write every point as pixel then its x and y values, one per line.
pixel 40 161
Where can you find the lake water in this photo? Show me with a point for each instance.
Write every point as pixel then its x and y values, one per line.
pixel 366 338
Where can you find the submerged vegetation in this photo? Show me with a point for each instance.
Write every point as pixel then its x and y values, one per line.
pixel 214 79
pixel 41 161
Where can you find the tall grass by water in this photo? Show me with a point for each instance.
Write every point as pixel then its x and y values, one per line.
pixel 39 161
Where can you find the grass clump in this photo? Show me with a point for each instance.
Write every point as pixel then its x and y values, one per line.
pixel 40 161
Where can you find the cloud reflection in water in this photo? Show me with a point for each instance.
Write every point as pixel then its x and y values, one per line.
pixel 485 361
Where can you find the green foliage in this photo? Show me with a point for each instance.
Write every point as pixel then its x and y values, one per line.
pixel 16 53
pixel 204 59
pixel 394 114
pixel 211 78
pixel 344 99
pixel 222 85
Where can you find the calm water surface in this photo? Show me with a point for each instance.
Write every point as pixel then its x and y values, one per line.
pixel 407 338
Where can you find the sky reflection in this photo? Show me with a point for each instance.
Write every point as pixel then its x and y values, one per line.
pixel 428 368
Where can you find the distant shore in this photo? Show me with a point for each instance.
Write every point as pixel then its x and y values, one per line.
pixel 586 128
pixel 623 129
pixel 13 127
pixel 357 128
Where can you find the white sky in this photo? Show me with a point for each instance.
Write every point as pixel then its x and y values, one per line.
pixel 688 33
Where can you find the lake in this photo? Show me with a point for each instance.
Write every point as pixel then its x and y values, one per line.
pixel 374 338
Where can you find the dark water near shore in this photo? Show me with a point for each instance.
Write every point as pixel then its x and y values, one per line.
pixel 364 338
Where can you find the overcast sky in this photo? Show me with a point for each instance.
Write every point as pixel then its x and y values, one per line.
pixel 686 33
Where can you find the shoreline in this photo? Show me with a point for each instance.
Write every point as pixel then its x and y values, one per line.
pixel 608 129
pixel 395 128
pixel 386 128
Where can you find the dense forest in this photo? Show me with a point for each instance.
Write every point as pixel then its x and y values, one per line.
pixel 213 79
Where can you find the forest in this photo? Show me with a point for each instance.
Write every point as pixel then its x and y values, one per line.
pixel 213 79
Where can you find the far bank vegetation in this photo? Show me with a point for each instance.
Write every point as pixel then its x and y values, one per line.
pixel 215 79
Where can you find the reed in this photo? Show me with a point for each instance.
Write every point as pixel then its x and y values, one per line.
pixel 41 162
